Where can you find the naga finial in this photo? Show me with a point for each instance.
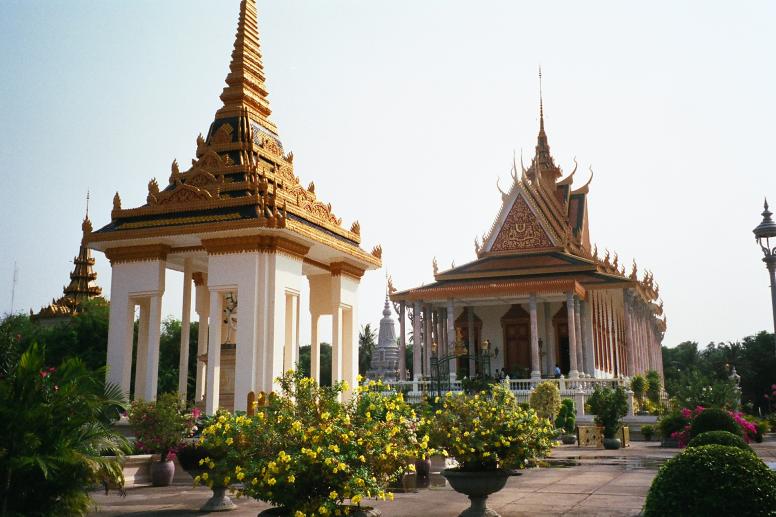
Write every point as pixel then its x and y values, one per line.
pixel 311 187
pixel 116 201
pixel 634 271
pixel 356 228
pixel 377 251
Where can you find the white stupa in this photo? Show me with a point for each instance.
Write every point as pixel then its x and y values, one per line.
pixel 385 358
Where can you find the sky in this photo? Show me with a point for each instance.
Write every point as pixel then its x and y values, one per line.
pixel 405 114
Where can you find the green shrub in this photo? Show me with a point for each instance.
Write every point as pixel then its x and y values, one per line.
pixel 545 400
pixel 719 438
pixel 671 423
pixel 609 405
pixel 638 386
pixel 712 480
pixel 654 386
pixel 161 426
pixel 714 419
pixel 56 436
pixel 567 417
pixel 648 431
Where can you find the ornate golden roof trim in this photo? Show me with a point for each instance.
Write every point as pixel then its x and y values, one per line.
pixel 254 243
pixel 343 268
pixel 504 288
pixel 137 253
pixel 330 241
pixel 516 272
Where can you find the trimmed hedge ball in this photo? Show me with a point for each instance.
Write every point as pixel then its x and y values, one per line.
pixel 719 438
pixel 712 480
pixel 714 419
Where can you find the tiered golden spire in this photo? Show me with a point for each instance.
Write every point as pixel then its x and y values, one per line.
pixel 82 286
pixel 245 83
pixel 543 163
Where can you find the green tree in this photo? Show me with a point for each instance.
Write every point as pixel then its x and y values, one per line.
pixel 366 347
pixel 304 362
pixel 55 429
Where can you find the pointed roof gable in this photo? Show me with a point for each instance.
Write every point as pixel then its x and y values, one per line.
pixel 241 178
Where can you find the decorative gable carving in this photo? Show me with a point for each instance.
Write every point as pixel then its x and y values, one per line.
pixel 521 230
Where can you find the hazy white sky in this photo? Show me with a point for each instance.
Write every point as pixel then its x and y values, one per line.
pixel 404 113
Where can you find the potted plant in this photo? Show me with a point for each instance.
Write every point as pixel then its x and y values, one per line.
pixel 307 453
pixel 647 431
pixel 489 434
pixel 545 400
pixel 200 457
pixel 638 386
pixel 160 427
pixel 567 422
pixel 609 405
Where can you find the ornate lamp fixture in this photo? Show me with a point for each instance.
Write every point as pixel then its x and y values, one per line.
pixel 763 234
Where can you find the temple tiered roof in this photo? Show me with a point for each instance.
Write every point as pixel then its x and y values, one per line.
pixel 241 178
pixel 83 283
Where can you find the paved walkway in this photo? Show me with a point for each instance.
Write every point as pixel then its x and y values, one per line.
pixel 580 482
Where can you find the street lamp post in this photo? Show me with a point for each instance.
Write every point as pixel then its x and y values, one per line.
pixel 764 232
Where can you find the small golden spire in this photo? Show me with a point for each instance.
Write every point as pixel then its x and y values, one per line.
pixel 245 83
pixel 541 102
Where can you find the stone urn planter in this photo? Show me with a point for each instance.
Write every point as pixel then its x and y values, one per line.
pixel 423 468
pixel 162 473
pixel 219 502
pixel 612 443
pixel 478 485
pixel 568 439
pixel 356 511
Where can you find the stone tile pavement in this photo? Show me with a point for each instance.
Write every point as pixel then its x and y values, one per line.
pixel 588 482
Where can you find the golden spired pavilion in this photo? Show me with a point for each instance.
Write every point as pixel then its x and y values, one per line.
pixel 538 293
pixel 239 225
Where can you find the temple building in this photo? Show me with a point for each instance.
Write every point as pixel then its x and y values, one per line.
pixel 385 357
pixel 240 225
pixel 538 294
pixel 82 286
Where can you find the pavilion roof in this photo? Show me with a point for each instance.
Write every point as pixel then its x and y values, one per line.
pixel 241 176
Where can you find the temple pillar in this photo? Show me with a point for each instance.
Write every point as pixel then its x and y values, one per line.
pixel 417 345
pixel 578 331
pixel 402 342
pixel 214 353
pixel 202 306
pixel 152 352
pixel 536 373
pixel 315 349
pixel 183 360
pixel 291 345
pixel 142 349
pixel 472 341
pixel 135 277
pixel 587 337
pixel 573 371
pixel 451 337
pixel 550 343
pixel 427 339
pixel 344 328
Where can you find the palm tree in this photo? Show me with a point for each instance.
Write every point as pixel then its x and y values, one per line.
pixel 56 436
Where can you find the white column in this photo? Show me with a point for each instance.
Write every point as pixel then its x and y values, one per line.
pixel 121 328
pixel 214 354
pixel 402 343
pixel 152 355
pixel 587 337
pixel 291 356
pixel 428 338
pixel 246 350
pixel 417 358
pixel 203 308
pixel 451 337
pixel 183 362
pixel 573 371
pixel 336 344
pixel 549 346
pixel 536 373
pixel 578 332
pixel 315 349
pixel 472 341
pixel 141 353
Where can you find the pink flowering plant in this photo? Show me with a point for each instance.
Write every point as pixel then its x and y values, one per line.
pixel 683 436
pixel 161 426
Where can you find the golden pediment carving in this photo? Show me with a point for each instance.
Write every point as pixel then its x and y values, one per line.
pixel 223 134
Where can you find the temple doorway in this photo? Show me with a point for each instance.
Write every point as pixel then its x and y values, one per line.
pixel 516 325
pixel 462 325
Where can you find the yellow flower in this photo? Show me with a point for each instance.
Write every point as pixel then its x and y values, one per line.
pixel 323 510
pixel 355 499
pixel 291 478
pixel 204 476
pixel 227 479
pixel 299 514
pixel 333 495
pixel 271 481
pixel 229 441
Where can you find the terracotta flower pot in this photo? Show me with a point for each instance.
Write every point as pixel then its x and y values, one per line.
pixel 478 486
pixel 162 473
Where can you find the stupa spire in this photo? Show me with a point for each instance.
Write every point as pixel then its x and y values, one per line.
pixel 245 84
pixel 543 165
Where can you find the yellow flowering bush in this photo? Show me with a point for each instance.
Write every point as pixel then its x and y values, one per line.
pixel 218 434
pixel 309 453
pixel 489 431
